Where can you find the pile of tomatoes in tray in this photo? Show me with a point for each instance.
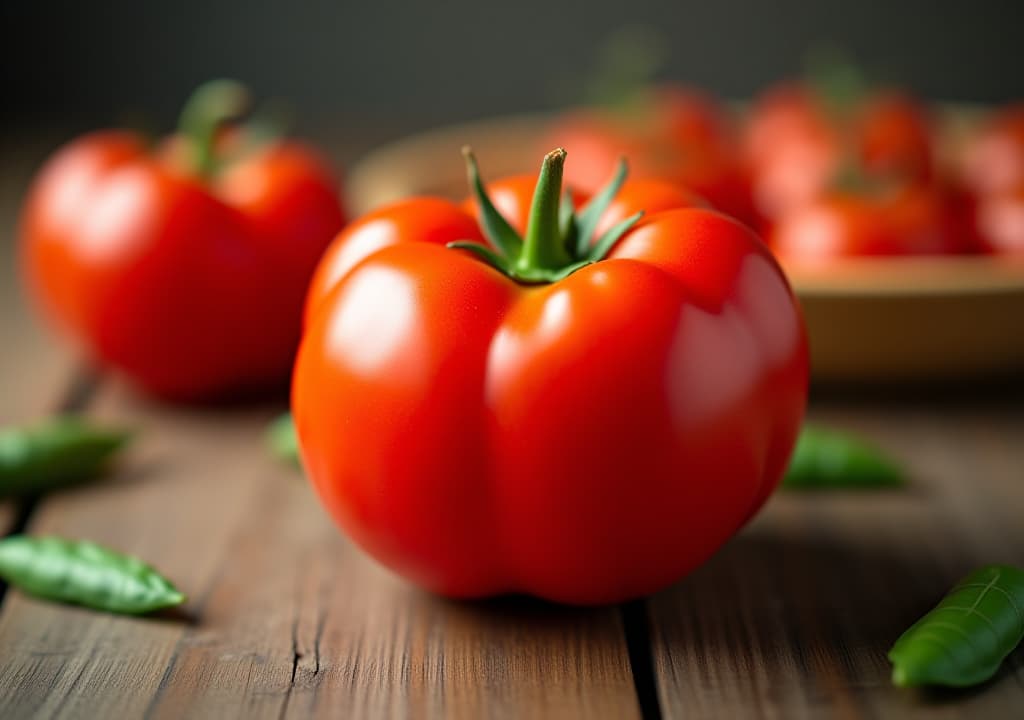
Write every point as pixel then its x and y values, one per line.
pixel 820 177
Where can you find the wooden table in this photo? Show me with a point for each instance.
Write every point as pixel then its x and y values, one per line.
pixel 285 618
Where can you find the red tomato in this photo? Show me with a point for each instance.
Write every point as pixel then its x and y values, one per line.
pixel 191 286
pixel 784 116
pixel 894 138
pixel 909 221
pixel 999 222
pixel 420 219
pixel 792 149
pixel 585 440
pixel 993 158
pixel 796 149
pixel 679 136
pixel 651 196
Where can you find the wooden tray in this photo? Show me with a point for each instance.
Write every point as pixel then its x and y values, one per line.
pixel 872 319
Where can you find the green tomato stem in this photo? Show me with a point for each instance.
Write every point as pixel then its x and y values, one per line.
pixel 210 106
pixel 543 246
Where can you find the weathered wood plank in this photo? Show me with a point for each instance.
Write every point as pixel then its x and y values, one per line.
pixel 794 617
pixel 284 616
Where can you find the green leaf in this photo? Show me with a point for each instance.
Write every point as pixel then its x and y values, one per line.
pixel 567 223
pixel 484 253
pixel 545 275
pixel 58 452
pixel 282 439
pixel 589 217
pixel 826 459
pixel 606 242
pixel 496 228
pixel 84 573
pixel 967 636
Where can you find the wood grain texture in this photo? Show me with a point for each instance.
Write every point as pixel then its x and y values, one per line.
pixel 794 617
pixel 284 617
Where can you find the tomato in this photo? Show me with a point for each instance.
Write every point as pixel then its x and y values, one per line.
pixel 999 222
pixel 993 157
pixel 791 148
pixel 894 138
pixel 190 280
pixel 676 135
pixel 905 221
pixel 420 219
pixel 582 421
pixel 649 195
pixel 795 148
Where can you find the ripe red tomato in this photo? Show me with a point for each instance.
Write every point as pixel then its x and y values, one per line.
pixel 678 135
pixel 993 157
pixel 585 436
pixel 999 222
pixel 791 148
pixel 796 149
pixel 906 221
pixel 894 138
pixel 191 284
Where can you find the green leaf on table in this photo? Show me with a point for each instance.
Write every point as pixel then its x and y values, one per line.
pixel 967 636
pixel 83 573
pixel 55 453
pixel 828 459
pixel 282 440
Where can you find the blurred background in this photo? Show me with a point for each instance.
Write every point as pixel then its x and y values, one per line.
pixel 76 65
pixel 356 76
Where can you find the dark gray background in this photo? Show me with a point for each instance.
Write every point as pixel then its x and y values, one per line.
pixel 75 64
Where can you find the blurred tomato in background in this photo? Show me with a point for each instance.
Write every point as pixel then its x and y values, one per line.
pixel 183 266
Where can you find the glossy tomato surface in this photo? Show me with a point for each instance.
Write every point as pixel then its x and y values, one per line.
pixel 586 441
pixel 191 287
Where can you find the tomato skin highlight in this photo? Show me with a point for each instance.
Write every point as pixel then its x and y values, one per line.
pixel 192 288
pixel 419 219
pixel 585 441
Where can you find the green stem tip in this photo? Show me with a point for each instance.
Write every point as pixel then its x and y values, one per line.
pixel 543 248
pixel 210 106
pixel 557 241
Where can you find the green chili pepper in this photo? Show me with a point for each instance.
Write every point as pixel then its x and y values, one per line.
pixel 86 574
pixel 57 452
pixel 965 638
pixel 829 459
pixel 283 441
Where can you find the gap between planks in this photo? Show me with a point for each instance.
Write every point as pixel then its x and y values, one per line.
pixel 793 618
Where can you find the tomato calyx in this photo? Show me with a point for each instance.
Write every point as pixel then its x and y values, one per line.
pixel 213 106
pixel 558 239
pixel 837 84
